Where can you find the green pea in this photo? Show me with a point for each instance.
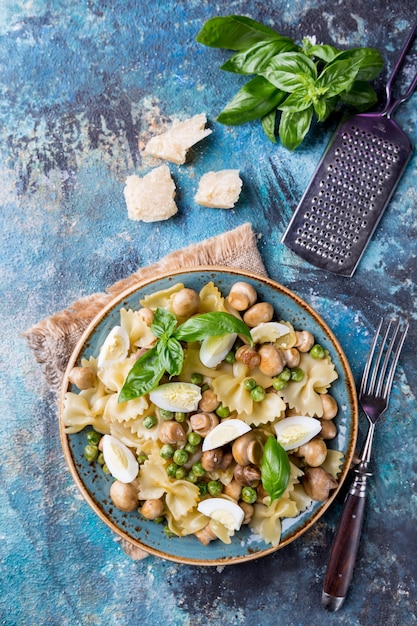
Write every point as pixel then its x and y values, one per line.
pixel 142 457
pixel 222 411
pixel 249 383
pixel 106 469
pixel 317 352
pixel 90 452
pixel 149 421
pixel 279 384
pixel 194 438
pixel 214 487
pixel 181 473
pixel 190 448
pixel 93 437
pixel 205 387
pixel 159 520
pixel 180 457
pixel 172 470
pixel 192 477
pixel 230 358
pixel 167 451
pixel 285 374
pixel 258 393
pixel 198 469
pixel 100 458
pixel 202 488
pixel 196 378
pixel 180 416
pixel 168 532
pixel 166 415
pixel 297 374
pixel 248 495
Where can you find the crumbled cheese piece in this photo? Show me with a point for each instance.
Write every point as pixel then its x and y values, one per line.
pixel 219 190
pixel 175 142
pixel 151 198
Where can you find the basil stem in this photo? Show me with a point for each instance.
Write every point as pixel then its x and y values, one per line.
pixel 275 469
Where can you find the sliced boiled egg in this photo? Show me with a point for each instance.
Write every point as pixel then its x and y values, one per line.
pixel 120 461
pixel 268 332
pixel 296 430
pixel 179 396
pixel 223 433
pixel 224 511
pixel 214 349
pixel 115 348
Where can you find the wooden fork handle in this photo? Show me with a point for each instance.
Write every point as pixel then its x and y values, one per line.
pixel 344 549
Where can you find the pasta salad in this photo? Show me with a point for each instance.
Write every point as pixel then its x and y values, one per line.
pixel 209 413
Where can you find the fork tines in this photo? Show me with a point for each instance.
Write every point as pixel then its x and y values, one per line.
pixel 390 337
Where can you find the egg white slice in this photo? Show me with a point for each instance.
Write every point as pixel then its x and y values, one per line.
pixel 297 430
pixel 120 461
pixel 268 332
pixel 224 511
pixel 115 348
pixel 223 433
pixel 179 396
pixel 214 349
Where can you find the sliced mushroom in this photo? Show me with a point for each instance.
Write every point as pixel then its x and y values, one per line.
pixel 233 490
pixel 258 313
pixel 292 357
pixel 272 360
pixel 248 356
pixel 216 459
pixel 203 423
pixel 209 401
pixel 318 483
pixel 247 449
pixel 205 535
pixel 172 432
pixel 304 340
pixel 247 475
pixel 248 509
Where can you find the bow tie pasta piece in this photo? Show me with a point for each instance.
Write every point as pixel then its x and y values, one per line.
pixel 115 411
pixel 77 414
pixel 139 332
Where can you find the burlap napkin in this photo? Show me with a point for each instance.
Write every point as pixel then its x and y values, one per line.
pixel 53 339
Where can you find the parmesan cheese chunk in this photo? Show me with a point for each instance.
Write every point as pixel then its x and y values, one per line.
pixel 151 198
pixel 219 190
pixel 175 142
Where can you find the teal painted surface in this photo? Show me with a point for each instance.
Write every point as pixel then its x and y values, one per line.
pixel 80 84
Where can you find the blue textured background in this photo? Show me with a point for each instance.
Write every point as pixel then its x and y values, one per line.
pixel 80 82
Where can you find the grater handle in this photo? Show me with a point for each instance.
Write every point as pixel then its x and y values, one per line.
pixel 390 107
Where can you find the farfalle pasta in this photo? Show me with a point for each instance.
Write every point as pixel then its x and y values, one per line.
pixel 182 401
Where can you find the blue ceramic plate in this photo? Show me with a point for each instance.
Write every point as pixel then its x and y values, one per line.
pixel 94 484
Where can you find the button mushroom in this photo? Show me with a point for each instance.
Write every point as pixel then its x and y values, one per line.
pixel 328 429
pixel 172 432
pixel 209 401
pixel 242 296
pixel 248 510
pixel 233 490
pixel 272 361
pixel 152 508
pixel 205 535
pixel 124 496
pixel 247 475
pixel 318 483
pixel 185 302
pixel 146 315
pixel 248 356
pixel 258 313
pixel 203 423
pixel 314 452
pixel 82 377
pixel 329 405
pixel 247 449
pixel 216 459
pixel 292 357
pixel 304 340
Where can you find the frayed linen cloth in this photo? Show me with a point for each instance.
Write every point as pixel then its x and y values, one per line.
pixel 52 340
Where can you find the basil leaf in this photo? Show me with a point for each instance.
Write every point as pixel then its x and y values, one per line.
pixel 370 61
pixel 294 126
pixel 212 324
pixel 337 77
pixel 254 60
pixel 256 99
pixel 323 107
pixel 234 32
pixel 290 70
pixel 275 469
pixel 298 100
pixel 361 96
pixel 163 323
pixel 324 53
pixel 268 125
pixel 143 376
pixel 171 356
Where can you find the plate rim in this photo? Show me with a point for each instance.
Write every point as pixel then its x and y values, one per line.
pixel 240 272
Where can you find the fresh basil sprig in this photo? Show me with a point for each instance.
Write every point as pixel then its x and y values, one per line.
pixel 275 469
pixel 291 84
pixel 167 355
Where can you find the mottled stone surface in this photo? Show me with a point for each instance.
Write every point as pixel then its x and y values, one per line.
pixel 83 85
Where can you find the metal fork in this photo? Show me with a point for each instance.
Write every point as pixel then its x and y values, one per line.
pixel 374 395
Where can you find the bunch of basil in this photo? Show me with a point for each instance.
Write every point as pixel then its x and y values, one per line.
pixel 291 82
